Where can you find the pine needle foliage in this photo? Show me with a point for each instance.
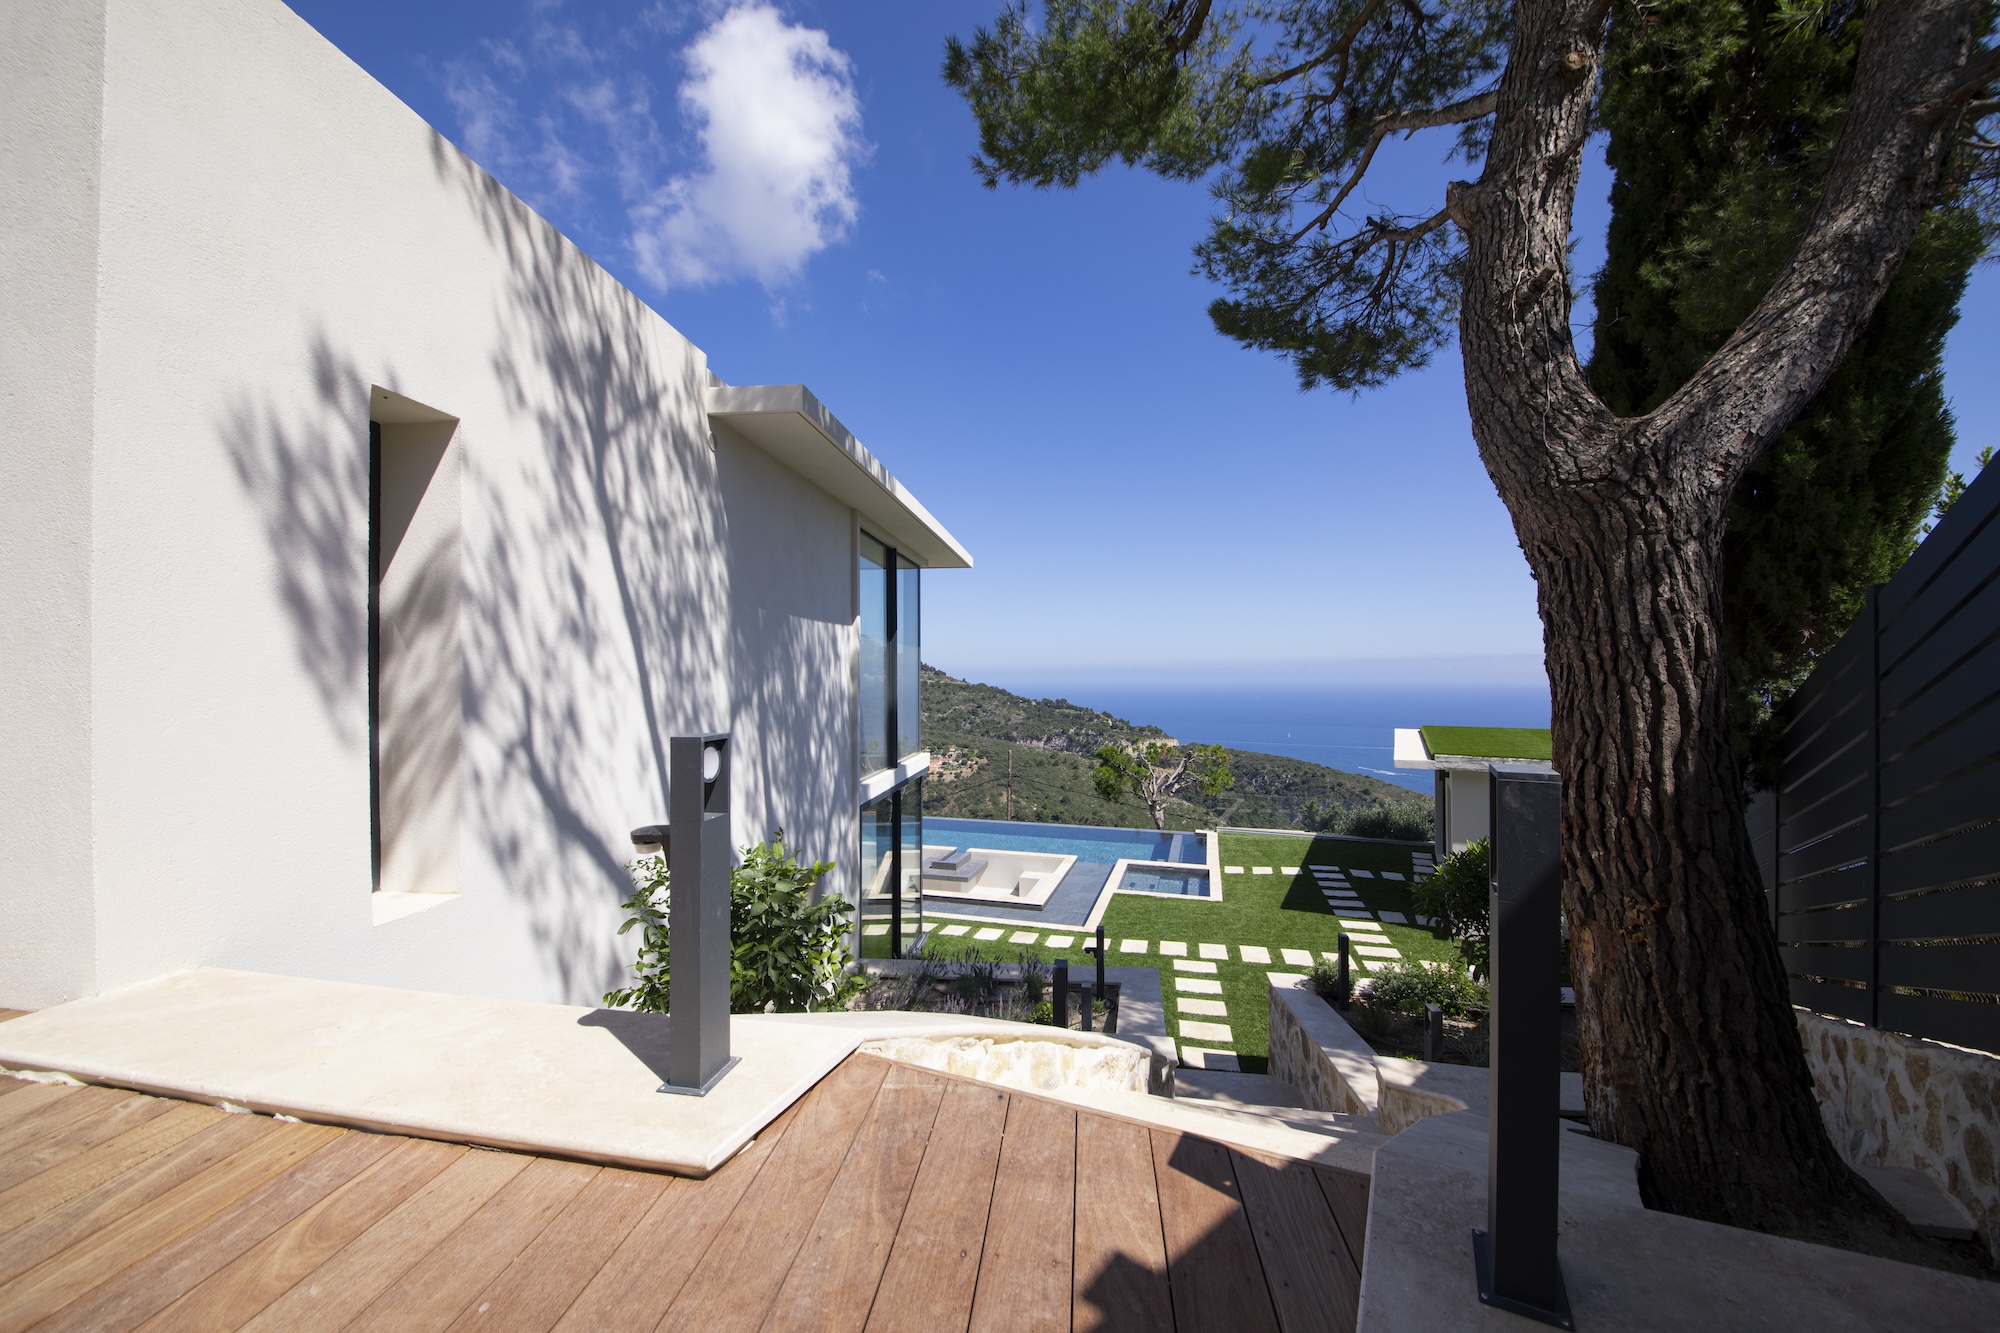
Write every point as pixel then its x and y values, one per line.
pixel 1722 117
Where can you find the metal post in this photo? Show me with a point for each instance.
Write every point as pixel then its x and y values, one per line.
pixel 1346 984
pixel 698 857
pixel 1061 996
pixel 896 874
pixel 1100 962
pixel 1515 1257
pixel 1433 1033
pixel 1085 1015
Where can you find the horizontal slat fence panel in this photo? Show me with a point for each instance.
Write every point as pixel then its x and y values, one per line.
pixel 1880 845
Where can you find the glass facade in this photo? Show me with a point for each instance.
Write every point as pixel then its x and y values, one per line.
pixel 892 884
pixel 909 633
pixel 875 645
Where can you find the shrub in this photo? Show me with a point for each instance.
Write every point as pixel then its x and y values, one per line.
pixel 1324 978
pixel 1369 1023
pixel 786 951
pixel 1407 820
pixel 1455 896
pixel 1406 987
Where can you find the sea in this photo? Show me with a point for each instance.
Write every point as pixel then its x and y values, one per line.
pixel 1349 727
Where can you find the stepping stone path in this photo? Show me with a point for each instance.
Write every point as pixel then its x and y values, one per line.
pixel 1022 937
pixel 1232 870
pixel 1395 918
pixel 1061 941
pixel 991 933
pixel 1376 950
pixel 1206 1008
pixel 1215 1032
pixel 1255 953
pixel 1391 874
pixel 1296 957
pixel 1288 870
pixel 875 928
pixel 948 930
pixel 1174 948
pixel 1260 870
pixel 1363 874
pixel 1197 1058
pixel 1213 950
pixel 1132 946
pixel 1193 965
pixel 1198 985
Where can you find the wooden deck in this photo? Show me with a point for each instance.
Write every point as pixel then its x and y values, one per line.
pixel 887 1198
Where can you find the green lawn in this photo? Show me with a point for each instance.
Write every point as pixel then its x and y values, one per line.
pixel 1491 742
pixel 1276 911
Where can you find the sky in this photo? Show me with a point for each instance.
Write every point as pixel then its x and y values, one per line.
pixel 788 185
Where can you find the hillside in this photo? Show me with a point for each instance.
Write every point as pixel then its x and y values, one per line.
pixel 973 728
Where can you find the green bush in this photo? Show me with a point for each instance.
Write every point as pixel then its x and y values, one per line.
pixel 1409 821
pixel 1455 896
pixel 1324 978
pixel 786 951
pixel 1406 987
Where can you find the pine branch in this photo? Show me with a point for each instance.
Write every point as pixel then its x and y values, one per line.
pixel 1458 113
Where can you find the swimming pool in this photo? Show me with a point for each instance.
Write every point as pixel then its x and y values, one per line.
pixel 1087 843
pixel 1189 883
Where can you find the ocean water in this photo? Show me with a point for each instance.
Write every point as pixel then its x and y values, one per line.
pixel 1345 727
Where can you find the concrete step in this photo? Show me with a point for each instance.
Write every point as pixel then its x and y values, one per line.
pixel 1247 1092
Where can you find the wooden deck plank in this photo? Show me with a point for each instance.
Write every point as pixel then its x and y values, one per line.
pixel 45 1107
pixel 1120 1269
pixel 100 1256
pixel 738 1278
pixel 140 1180
pixel 933 1268
pixel 635 1286
pixel 338 1290
pixel 1347 1194
pixel 78 1137
pixel 1024 1266
pixel 149 1286
pixel 1314 1283
pixel 46 1191
pixel 1211 1258
pixel 10 1083
pixel 446 1280
pixel 832 1282
pixel 235 1294
pixel 544 1279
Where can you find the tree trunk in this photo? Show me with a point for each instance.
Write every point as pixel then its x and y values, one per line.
pixel 1691 1053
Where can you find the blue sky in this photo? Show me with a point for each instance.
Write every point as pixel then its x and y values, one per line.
pixel 1146 500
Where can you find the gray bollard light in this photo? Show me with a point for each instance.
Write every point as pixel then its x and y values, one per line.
pixel 1514 1258
pixel 698 856
pixel 1346 980
pixel 1061 996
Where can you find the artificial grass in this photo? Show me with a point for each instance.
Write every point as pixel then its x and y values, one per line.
pixel 1490 742
pixel 1275 910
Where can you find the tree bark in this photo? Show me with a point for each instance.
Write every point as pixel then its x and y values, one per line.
pixel 1691 1053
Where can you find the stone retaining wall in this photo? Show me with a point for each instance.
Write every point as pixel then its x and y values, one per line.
pixel 1314 1050
pixel 1892 1100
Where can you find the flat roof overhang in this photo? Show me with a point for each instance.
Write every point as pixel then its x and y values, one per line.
pixel 788 423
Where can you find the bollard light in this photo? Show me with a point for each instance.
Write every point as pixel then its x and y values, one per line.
pixel 698 912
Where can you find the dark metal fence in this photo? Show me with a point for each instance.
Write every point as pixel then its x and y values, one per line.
pixel 1881 845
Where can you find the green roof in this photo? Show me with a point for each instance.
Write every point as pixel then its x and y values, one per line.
pixel 1489 742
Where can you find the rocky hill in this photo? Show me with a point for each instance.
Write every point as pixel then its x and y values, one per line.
pixel 976 730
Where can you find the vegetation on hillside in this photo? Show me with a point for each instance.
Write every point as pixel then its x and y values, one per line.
pixel 1053 744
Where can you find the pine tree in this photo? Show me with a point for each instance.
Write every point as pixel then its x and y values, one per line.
pixel 1722 116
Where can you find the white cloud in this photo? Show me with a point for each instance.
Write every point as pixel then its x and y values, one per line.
pixel 780 129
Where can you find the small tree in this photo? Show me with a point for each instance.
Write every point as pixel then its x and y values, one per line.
pixel 1455 896
pixel 1154 771
pixel 785 950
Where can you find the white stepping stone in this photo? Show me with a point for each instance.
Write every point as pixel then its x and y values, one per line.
pixel 1317 869
pixel 1260 870
pixel 1022 937
pixel 1362 874
pixel 1132 946
pixel 881 928
pixel 1196 1057
pixel 1288 870
pixel 1296 957
pixel 1363 928
pixel 1254 953
pixel 1198 985
pixel 1391 874
pixel 991 933
pixel 1190 965
pixel 1376 951
pixel 1206 1008
pixel 1395 918
pixel 1174 948
pixel 1060 941
pixel 1215 1032
pixel 1232 870
pixel 948 930
pixel 1214 951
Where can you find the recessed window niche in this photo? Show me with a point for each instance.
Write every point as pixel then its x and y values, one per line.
pixel 415 663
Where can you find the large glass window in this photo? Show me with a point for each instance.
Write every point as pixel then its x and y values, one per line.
pixel 909 653
pixel 875 646
pixel 892 852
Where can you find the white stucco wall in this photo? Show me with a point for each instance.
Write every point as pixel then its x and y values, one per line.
pixel 49 133
pixel 275 233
